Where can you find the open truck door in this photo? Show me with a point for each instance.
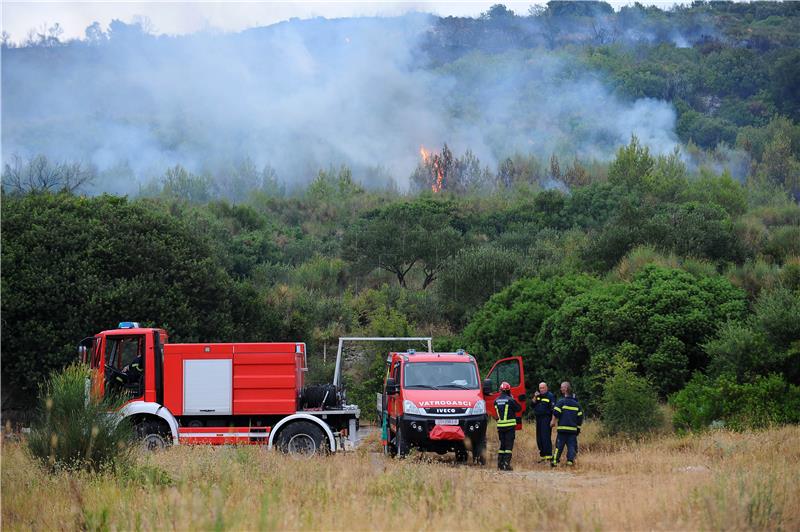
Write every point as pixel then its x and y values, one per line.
pixel 508 370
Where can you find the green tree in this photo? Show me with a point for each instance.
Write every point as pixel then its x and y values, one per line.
pixel 667 314
pixel 402 235
pixel 632 166
pixel 476 274
pixel 75 266
pixel 509 322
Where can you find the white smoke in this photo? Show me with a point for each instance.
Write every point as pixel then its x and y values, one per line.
pixel 306 95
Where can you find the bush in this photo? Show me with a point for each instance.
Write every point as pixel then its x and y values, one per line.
pixel 765 401
pixel 73 433
pixel 630 404
pixel 509 322
pixel 73 266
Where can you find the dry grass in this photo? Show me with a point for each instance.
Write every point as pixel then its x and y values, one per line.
pixel 719 480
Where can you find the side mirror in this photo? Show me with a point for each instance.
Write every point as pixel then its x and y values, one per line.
pixel 487 386
pixel 82 352
pixel 392 388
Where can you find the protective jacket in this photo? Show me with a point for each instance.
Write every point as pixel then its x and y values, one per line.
pixel 507 409
pixel 569 414
pixel 134 370
pixel 543 405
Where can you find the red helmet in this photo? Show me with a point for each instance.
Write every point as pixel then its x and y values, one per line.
pixel 505 386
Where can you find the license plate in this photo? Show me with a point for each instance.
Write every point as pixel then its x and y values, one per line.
pixel 447 422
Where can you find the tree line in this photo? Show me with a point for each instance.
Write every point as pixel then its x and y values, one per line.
pixel 689 281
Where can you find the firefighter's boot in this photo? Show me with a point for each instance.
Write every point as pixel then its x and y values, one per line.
pixel 508 463
pixel 500 461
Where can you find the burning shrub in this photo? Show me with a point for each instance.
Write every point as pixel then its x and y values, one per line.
pixel 73 433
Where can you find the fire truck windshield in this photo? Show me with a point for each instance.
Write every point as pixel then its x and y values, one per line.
pixel 441 375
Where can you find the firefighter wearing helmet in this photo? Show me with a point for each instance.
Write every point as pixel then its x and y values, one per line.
pixel 507 409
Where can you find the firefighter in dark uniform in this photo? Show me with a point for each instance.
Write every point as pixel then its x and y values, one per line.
pixel 507 409
pixel 567 420
pixel 132 372
pixel 543 403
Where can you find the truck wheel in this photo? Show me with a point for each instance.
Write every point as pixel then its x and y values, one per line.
pixel 461 456
pixel 302 439
pixel 154 436
pixel 390 448
pixel 401 443
pixel 479 452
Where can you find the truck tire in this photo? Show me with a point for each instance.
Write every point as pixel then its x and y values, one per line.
pixel 461 456
pixel 479 452
pixel 153 435
pixel 302 439
pixel 401 443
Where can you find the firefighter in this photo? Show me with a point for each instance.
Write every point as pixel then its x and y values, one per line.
pixel 507 409
pixel 543 402
pixel 567 420
pixel 133 371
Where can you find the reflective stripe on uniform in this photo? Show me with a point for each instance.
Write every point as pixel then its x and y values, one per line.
pixel 580 413
pixel 544 399
pixel 501 451
pixel 558 409
pixel 504 421
pixel 565 407
pixel 560 427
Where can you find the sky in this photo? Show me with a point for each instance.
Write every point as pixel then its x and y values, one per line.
pixel 175 18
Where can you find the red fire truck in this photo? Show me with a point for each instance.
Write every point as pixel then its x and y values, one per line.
pixel 219 393
pixel 437 402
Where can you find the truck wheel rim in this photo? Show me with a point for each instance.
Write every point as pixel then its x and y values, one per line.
pixel 302 444
pixel 154 442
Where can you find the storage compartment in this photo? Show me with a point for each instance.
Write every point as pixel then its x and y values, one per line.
pixel 207 387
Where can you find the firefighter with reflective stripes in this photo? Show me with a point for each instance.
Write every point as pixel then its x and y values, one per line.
pixel 567 420
pixel 507 409
pixel 543 403
pixel 132 371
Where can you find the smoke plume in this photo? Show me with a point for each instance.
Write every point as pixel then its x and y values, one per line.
pixel 304 95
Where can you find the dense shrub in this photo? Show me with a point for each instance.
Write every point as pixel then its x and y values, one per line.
pixel 666 313
pixel 71 432
pixel 509 322
pixel 630 404
pixel 74 266
pixel 763 402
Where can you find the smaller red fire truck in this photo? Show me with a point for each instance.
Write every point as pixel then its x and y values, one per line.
pixel 437 402
pixel 219 393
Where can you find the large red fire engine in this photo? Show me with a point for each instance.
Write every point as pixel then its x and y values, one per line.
pixel 219 393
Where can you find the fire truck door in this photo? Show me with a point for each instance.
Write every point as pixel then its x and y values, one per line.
pixel 508 370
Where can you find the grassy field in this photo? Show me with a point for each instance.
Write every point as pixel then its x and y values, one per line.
pixel 718 480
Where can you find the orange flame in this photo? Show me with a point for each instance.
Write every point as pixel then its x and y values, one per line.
pixel 435 162
pixel 425 154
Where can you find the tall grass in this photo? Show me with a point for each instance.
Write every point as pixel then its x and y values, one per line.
pixel 72 431
pixel 715 480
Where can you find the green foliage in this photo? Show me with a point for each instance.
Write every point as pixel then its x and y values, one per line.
pixel 631 166
pixel 767 400
pixel 476 274
pixel 768 341
pixel 630 404
pixel 179 183
pixel 666 313
pixel 75 266
pixel 402 235
pixel 71 432
pixel 720 190
pixel 508 323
